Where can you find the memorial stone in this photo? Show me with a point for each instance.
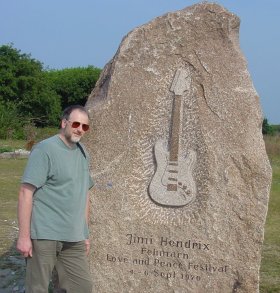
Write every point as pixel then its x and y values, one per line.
pixel 181 174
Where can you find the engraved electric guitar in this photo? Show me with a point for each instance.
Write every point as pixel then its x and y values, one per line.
pixel 173 184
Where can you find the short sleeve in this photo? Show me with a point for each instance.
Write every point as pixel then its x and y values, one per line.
pixel 37 168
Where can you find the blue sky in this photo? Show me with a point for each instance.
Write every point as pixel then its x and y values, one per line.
pixel 72 33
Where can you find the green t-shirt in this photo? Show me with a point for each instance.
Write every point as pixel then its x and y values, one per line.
pixel 61 176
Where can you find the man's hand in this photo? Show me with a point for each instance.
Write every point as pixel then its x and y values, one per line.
pixel 87 243
pixel 24 246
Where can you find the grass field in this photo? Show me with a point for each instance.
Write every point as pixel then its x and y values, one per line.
pixel 12 169
pixel 11 264
pixel 270 266
pixel 10 173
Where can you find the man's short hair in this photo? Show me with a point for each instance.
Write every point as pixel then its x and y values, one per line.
pixel 67 112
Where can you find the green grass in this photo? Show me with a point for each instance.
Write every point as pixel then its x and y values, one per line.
pixel 10 173
pixel 270 266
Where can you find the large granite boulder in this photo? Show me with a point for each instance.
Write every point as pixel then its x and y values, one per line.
pixel 182 176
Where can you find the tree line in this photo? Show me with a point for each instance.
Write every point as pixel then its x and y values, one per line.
pixel 33 95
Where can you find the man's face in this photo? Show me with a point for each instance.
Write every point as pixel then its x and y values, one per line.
pixel 71 134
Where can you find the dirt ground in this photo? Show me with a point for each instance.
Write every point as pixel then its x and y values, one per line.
pixel 12 269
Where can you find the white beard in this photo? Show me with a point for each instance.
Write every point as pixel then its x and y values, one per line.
pixel 75 138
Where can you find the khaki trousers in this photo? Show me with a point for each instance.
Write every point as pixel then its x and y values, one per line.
pixel 70 261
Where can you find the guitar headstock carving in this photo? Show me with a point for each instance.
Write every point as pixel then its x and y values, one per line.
pixel 181 81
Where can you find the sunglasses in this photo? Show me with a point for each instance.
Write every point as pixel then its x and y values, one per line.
pixel 76 124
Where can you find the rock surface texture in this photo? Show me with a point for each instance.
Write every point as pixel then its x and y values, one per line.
pixel 181 172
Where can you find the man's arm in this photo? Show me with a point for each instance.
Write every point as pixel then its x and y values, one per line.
pixel 87 242
pixel 24 245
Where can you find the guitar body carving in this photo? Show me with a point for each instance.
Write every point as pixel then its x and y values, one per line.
pixel 172 184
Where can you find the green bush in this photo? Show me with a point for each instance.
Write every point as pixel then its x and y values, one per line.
pixel 43 133
pixel 267 128
pixel 73 85
pixel 11 122
pixel 5 149
pixel 31 94
pixel 24 86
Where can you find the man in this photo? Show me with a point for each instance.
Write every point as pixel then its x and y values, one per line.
pixel 53 209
